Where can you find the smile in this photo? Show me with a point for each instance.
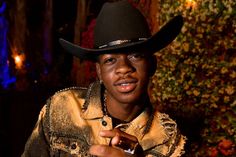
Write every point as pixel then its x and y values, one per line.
pixel 126 86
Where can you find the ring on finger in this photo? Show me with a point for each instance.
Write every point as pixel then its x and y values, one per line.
pixel 128 146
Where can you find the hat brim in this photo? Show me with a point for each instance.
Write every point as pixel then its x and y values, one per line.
pixel 153 44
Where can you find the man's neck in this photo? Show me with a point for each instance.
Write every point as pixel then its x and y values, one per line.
pixel 124 112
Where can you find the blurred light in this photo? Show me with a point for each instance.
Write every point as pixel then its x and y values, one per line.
pixel 5 77
pixel 191 4
pixel 19 60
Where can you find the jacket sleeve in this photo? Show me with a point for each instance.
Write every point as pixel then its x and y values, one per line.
pixel 38 143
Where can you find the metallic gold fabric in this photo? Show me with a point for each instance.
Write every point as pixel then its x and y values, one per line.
pixel 70 122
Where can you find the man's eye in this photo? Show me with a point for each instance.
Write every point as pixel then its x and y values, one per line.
pixel 109 60
pixel 135 56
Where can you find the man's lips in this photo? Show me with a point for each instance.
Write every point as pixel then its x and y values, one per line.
pixel 126 85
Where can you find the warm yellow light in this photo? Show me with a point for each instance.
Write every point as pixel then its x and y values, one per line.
pixel 191 4
pixel 17 59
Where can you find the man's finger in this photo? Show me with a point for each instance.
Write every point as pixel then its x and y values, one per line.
pixel 116 132
pixel 105 151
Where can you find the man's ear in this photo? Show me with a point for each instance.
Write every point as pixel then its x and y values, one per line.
pixel 152 65
pixel 98 70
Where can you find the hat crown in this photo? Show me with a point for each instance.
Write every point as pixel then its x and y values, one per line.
pixel 120 27
pixel 119 21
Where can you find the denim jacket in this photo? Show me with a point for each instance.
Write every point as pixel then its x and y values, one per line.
pixel 70 121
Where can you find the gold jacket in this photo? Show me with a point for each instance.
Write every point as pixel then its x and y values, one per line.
pixel 70 121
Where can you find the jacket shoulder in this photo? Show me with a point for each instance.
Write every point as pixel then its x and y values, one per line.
pixel 174 141
pixel 169 125
pixel 63 108
pixel 67 98
pixel 79 91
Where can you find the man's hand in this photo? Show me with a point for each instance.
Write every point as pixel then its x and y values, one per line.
pixel 121 145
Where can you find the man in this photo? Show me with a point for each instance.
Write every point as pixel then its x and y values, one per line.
pixel 113 116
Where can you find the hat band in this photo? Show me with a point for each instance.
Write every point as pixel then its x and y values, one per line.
pixel 119 42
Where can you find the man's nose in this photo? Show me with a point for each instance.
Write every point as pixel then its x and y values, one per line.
pixel 124 66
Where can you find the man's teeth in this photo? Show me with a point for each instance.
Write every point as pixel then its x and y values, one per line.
pixel 124 84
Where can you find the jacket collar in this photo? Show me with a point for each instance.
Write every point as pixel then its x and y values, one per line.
pixel 137 127
pixel 93 106
pixel 149 127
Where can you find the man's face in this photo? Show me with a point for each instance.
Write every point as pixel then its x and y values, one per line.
pixel 125 76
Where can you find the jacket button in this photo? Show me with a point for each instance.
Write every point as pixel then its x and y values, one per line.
pixel 73 146
pixel 104 123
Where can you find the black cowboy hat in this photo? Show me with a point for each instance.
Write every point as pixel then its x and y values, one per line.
pixel 122 28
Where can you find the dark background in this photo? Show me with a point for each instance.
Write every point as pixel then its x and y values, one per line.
pixel 19 108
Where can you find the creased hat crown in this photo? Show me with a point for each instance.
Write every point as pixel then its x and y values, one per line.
pixel 119 21
pixel 120 27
